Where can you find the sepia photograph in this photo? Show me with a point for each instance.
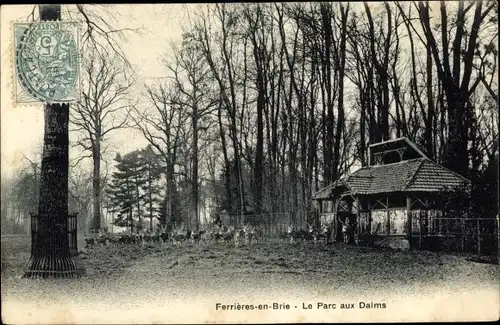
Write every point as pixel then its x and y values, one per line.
pixel 279 162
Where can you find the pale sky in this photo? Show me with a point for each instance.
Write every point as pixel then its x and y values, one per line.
pixel 161 25
pixel 22 126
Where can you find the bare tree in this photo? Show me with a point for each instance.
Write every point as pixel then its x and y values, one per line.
pixel 50 256
pixel 456 75
pixel 191 78
pixel 255 19
pixel 104 108
pixel 162 122
pixel 223 71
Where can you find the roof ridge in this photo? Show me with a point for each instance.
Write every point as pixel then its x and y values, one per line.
pixel 386 141
pixel 414 174
pixel 415 147
pixel 394 163
pixel 451 171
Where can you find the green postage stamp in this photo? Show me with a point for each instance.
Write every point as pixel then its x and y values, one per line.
pixel 46 62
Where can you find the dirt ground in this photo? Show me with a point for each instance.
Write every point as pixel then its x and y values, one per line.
pixel 159 282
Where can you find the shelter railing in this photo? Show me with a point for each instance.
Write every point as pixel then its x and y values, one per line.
pixel 472 235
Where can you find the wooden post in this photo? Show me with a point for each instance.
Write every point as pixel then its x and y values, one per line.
pixel 335 221
pixel 409 219
pixel 463 233
pixel 420 230
pixel 388 217
pixel 358 207
pixel 369 226
pixel 427 214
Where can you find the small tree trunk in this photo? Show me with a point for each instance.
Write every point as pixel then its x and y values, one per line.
pixel 340 115
pixel 150 190
pixel 131 220
pixel 138 202
pixel 430 109
pixel 96 186
pixel 170 191
pixel 195 189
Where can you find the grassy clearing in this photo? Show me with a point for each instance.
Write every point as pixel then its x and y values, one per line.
pixel 131 275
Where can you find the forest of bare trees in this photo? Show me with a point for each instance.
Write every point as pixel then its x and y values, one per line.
pixel 261 105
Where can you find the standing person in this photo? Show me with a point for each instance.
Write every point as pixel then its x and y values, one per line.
pixel 330 239
pixel 345 229
pixel 354 232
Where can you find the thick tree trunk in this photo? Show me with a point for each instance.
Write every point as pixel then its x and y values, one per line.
pixel 381 70
pixel 259 152
pixel 429 120
pixel 327 77
pixel 51 256
pixel 227 179
pixel 232 108
pixel 362 134
pixel 456 155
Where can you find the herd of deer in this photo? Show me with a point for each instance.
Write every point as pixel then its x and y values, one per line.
pixel 248 234
pixel 311 234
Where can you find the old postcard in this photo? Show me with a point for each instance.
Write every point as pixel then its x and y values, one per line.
pixel 249 162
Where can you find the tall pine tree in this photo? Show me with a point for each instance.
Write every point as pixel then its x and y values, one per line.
pixel 125 191
pixel 151 171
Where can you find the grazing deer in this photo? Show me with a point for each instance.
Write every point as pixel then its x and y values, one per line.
pixel 155 237
pixel 218 234
pixel 89 241
pixel 179 236
pixel 228 235
pixel 296 234
pixel 311 234
pixel 146 238
pixel 102 239
pixel 250 234
pixel 197 235
pixel 164 237
pixel 238 234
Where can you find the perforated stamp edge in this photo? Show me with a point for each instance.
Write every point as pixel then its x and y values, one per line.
pixel 12 83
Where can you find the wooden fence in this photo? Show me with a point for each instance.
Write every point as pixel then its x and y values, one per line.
pixel 429 231
pixel 471 235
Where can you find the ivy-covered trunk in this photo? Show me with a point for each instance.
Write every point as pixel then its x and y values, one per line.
pixel 50 256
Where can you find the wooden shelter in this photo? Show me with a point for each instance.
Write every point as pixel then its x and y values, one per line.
pixel 399 196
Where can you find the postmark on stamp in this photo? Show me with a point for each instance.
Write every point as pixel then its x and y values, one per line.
pixel 46 62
